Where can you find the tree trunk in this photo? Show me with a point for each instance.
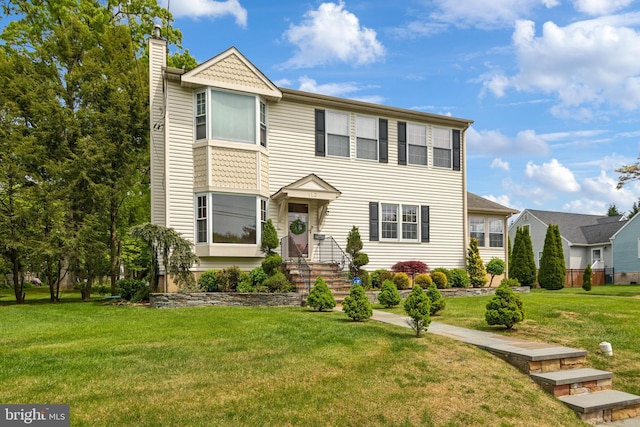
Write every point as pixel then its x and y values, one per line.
pixel 113 246
pixel 18 285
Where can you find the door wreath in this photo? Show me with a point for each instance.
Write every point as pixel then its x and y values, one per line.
pixel 298 227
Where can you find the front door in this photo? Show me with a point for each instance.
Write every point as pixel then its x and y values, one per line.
pixel 298 226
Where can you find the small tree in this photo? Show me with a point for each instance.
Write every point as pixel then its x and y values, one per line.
pixel 495 267
pixel 586 278
pixel 320 296
pixel 418 308
pixel 552 273
pixel 269 238
pixel 522 264
pixel 357 305
pixel 475 266
pixel 410 268
pixel 389 295
pixel 354 246
pixel 436 299
pixel 505 308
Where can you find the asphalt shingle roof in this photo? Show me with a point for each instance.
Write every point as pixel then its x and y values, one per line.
pixel 582 228
pixel 477 203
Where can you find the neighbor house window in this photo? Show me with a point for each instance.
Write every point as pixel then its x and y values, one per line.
pixel 476 228
pixel 409 222
pixel 442 147
pixel 366 138
pixel 201 219
pixel 201 115
pixel 389 219
pixel 417 144
pixel 233 117
pixel 337 134
pixel 234 218
pixel 496 233
pixel 263 124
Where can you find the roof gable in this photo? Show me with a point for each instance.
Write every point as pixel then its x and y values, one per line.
pixel 231 70
pixel 581 229
pixel 311 183
pixel 476 203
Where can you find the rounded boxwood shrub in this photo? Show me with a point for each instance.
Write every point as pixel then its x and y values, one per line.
pixel 279 283
pixel 510 282
pixel 128 288
pixel 444 270
pixel 440 279
pixel 321 297
pixel 401 281
pixel 208 281
pixel 356 305
pixel 271 263
pixel 436 299
pixel 389 295
pixel 459 278
pixel 424 280
pixel 505 308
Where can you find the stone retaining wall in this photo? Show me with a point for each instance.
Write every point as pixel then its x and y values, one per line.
pixel 174 300
pixel 455 292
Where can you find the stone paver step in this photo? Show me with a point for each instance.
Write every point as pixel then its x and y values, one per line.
pixel 593 402
pixel 571 376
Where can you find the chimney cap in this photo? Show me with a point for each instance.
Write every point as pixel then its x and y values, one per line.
pixel 157 31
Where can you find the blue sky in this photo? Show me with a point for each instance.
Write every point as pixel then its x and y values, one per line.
pixel 553 86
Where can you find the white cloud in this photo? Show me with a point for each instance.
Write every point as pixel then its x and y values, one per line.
pixel 586 64
pixel 600 7
pixel 329 34
pixel 503 199
pixel 208 8
pixel 553 176
pixel 494 142
pixel 343 89
pixel 498 163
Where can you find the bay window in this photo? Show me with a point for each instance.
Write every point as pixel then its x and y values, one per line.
pixel 496 233
pixel 229 218
pixel 476 228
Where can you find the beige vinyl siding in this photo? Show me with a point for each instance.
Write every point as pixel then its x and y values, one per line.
pixel 180 211
pixel 292 156
pixel 157 130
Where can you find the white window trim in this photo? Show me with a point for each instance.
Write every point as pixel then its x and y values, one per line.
pixel 399 222
pixel 206 114
pixel 433 148
pixel 209 218
pixel 426 146
pixel 377 139
pixel 348 135
pixel 196 218
pixel 484 230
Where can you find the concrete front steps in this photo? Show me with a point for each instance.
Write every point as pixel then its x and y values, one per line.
pixel 336 279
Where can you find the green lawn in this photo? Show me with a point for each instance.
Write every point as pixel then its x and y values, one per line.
pixel 135 366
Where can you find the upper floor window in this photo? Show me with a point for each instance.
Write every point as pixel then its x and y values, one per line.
pixel 201 115
pixel 263 124
pixel 496 233
pixel 442 147
pixel 337 134
pixel 476 229
pixel 366 138
pixel 417 144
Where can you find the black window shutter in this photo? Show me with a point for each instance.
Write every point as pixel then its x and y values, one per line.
pixel 320 143
pixel 456 150
pixel 373 222
pixel 383 126
pixel 402 143
pixel 424 223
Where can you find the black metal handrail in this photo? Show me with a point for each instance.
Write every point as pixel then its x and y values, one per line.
pixel 290 252
pixel 329 252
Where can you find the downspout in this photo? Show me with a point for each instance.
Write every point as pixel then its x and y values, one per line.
pixel 465 215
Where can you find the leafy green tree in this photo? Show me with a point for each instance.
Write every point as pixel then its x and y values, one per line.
pixel 612 210
pixel 635 208
pixel 269 238
pixel 495 267
pixel 321 297
pixel 418 307
pixel 354 246
pixel 389 295
pixel 586 278
pixel 356 305
pixel 552 274
pixel 628 173
pixel 475 266
pixel 523 265
pixel 436 299
pixel 505 308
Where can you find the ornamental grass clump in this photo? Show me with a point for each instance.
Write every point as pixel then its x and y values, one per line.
pixel 389 295
pixel 357 305
pixel 321 297
pixel 505 308
pixel 418 308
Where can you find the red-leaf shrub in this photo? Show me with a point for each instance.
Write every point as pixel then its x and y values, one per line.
pixel 410 268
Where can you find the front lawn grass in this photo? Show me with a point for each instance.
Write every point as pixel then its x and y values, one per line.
pixel 223 366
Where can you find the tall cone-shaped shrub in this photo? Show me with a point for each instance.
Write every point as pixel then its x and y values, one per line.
pixel 505 308
pixel 475 266
pixel 418 308
pixel 551 275
pixel 320 296
pixel 357 305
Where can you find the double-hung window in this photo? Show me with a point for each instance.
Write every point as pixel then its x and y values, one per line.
pixel 337 134
pixel 263 124
pixel 201 115
pixel 389 221
pixel 201 219
pixel 409 222
pixel 399 222
pixel 417 144
pixel 442 150
pixel 476 228
pixel 496 233
pixel 366 138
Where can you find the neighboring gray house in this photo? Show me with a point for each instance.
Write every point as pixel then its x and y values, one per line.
pixel 586 239
pixel 626 252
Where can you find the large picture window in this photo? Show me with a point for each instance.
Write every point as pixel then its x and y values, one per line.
pixel 337 134
pixel 233 116
pixel 234 218
pixel 417 144
pixel 366 138
pixel 476 228
pixel 496 233
pixel 442 151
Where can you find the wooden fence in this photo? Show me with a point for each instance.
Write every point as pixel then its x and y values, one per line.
pixel 598 278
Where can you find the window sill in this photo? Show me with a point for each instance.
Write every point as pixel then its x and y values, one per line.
pixel 228 250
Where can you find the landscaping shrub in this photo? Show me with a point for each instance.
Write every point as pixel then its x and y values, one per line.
pixel 552 272
pixel 424 280
pixel 229 278
pixel 410 268
pixel 440 279
pixel 279 283
pixel 257 276
pixel 505 308
pixel 321 297
pixel 475 266
pixel 389 295
pixel 417 306
pixel 495 267
pixel 401 281
pixel 444 270
pixel 246 285
pixel 586 278
pixel 366 279
pixel 510 282
pixel 96 289
pixel 379 276
pixel 436 299
pixel 354 246
pixel 208 281
pixel 269 238
pixel 127 288
pixel 356 305
pixel 142 294
pixel 459 278
pixel 271 263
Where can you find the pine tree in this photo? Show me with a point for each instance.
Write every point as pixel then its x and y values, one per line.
pixel 357 305
pixel 436 299
pixel 586 278
pixel 551 275
pixel 418 308
pixel 269 238
pixel 389 295
pixel 505 308
pixel 320 296
pixel 523 265
pixel 475 266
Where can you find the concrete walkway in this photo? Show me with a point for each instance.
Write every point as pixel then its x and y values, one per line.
pixel 530 350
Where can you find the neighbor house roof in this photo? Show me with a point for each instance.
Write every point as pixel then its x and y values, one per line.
pixel 582 229
pixel 476 203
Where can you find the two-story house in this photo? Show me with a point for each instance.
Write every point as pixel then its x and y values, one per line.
pixel 229 149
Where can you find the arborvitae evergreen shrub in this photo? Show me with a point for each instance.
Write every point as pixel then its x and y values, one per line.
pixel 459 278
pixel 418 306
pixel 321 297
pixel 389 295
pixel 401 280
pixel 523 265
pixel 357 305
pixel 424 280
pixel 208 281
pixel 436 299
pixel 586 278
pixel 271 263
pixel 440 279
pixel 505 308
pixel 551 275
pixel 269 237
pixel 475 265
